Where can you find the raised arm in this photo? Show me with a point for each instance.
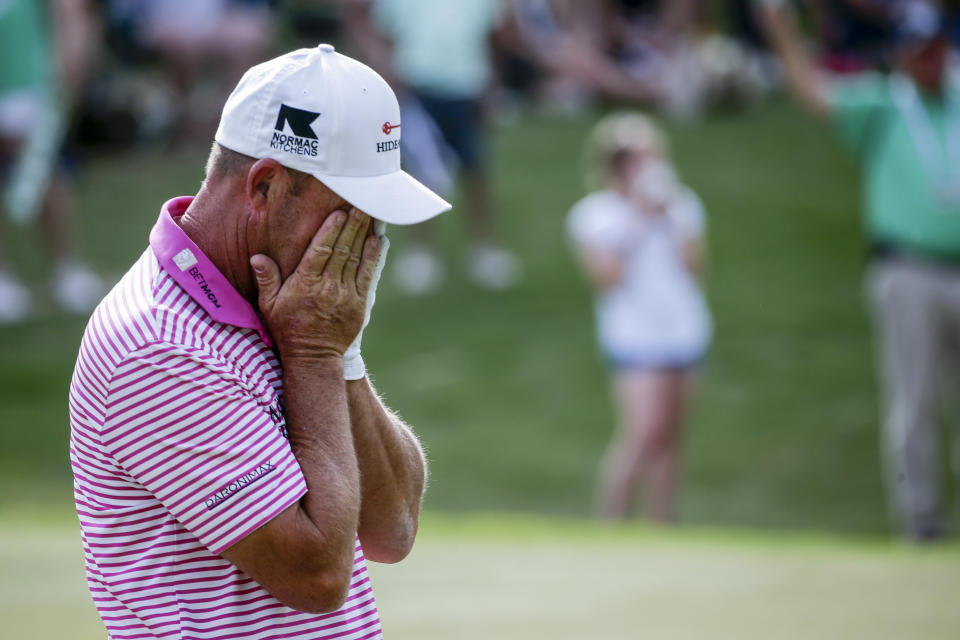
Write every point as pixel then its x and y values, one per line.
pixel 804 79
pixel 305 555
pixel 392 475
pixel 76 32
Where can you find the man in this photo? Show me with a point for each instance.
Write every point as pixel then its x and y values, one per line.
pixel 233 465
pixel 904 128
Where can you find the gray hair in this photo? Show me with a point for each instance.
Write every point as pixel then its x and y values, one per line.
pixel 223 163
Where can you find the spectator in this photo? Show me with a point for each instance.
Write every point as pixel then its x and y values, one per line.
pixel 204 46
pixel 638 52
pixel 639 239
pixel 854 34
pixel 905 129
pixel 576 49
pixel 437 56
pixel 37 91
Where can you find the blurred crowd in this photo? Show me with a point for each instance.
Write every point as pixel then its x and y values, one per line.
pixel 108 75
pixel 85 77
pixel 118 73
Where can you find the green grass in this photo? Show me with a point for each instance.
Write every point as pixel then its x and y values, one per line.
pixel 531 577
pixel 506 390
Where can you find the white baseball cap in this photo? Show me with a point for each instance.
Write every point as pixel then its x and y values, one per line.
pixel 320 112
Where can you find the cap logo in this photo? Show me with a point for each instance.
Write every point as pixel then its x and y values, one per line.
pixel 388 128
pixel 303 142
pixel 299 121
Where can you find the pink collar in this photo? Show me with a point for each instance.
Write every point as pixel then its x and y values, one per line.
pixel 182 259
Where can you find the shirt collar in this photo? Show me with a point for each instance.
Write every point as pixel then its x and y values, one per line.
pixel 186 263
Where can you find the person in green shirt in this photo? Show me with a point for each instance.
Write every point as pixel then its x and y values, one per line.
pixel 44 51
pixel 904 128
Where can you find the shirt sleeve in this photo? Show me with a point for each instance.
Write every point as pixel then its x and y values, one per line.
pixel 859 106
pixel 190 431
pixel 592 224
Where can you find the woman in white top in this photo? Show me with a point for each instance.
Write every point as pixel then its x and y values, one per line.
pixel 639 239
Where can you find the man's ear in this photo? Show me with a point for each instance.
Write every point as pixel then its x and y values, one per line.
pixel 266 185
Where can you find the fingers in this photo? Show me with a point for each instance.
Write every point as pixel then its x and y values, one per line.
pixel 368 265
pixel 344 245
pixel 349 248
pixel 267 275
pixel 357 247
pixel 317 256
pixel 337 249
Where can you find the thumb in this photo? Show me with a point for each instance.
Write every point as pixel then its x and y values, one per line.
pixel 267 274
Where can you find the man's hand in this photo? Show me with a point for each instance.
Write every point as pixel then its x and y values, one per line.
pixel 353 365
pixel 305 555
pixel 319 309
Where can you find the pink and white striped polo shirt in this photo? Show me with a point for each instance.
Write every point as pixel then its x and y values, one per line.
pixel 179 449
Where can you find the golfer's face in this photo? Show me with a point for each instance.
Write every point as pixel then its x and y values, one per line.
pixel 298 221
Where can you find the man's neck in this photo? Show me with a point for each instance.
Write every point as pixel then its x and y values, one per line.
pixel 213 224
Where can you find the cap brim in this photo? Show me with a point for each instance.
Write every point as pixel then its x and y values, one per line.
pixel 396 198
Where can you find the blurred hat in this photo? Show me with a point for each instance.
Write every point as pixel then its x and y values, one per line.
pixel 919 22
pixel 323 113
pixel 626 131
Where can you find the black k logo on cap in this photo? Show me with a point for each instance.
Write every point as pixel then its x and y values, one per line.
pixel 299 121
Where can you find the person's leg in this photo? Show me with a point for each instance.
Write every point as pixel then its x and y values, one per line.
pixel 416 268
pixel 76 288
pixel 56 223
pixel 633 393
pixel 14 296
pixel 950 390
pixel 477 193
pixel 644 451
pixel 15 299
pixel 903 297
pixel 8 153
pixel 950 300
pixel 663 443
pixel 460 122
pixel 489 264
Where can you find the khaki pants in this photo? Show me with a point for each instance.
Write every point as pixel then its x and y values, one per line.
pixel 916 311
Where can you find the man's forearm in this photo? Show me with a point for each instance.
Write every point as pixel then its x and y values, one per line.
pixel 305 555
pixel 392 475
pixel 318 424
pixel 802 75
